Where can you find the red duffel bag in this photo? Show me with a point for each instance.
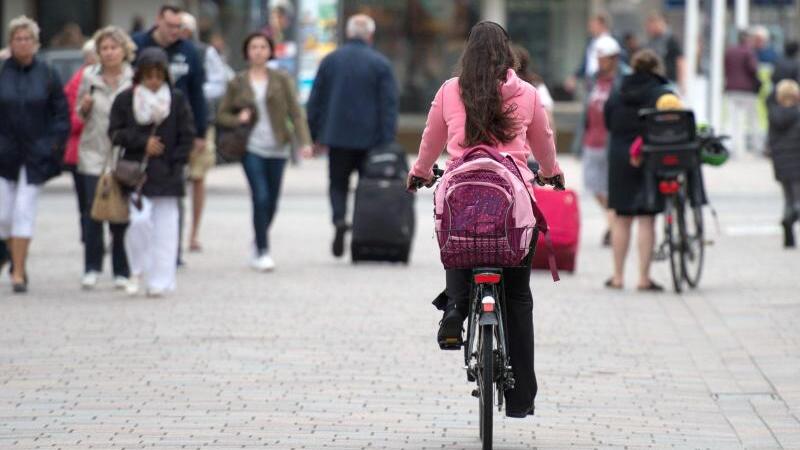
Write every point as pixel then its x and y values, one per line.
pixel 560 208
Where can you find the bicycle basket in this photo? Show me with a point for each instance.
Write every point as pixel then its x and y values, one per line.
pixel 473 248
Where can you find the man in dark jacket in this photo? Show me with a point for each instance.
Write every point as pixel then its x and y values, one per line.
pixel 787 67
pixel 185 66
pixel 352 108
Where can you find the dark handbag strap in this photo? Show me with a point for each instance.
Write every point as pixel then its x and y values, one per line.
pixel 137 199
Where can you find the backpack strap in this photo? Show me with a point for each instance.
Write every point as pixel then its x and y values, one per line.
pixel 541 226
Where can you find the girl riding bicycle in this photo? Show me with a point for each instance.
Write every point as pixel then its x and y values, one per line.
pixel 488 104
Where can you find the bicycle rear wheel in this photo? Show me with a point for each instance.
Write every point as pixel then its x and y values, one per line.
pixel 485 382
pixel 672 234
pixel 693 245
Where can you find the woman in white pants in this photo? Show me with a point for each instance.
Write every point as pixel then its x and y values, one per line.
pixel 153 119
pixel 34 124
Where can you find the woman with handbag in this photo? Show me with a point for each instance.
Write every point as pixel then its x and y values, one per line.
pixel 153 125
pixel 33 131
pixel 261 101
pixel 99 87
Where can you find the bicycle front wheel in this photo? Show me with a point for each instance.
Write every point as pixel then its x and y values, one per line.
pixel 485 382
pixel 693 245
pixel 672 233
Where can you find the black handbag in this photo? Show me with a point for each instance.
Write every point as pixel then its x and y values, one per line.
pixel 232 142
pixel 129 173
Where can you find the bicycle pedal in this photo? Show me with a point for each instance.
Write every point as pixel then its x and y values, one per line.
pixel 450 344
pixel 476 393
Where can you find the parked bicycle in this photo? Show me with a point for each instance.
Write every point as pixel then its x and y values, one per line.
pixel 673 152
pixel 486 360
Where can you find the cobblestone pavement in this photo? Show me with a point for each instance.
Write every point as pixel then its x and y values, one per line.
pixel 321 354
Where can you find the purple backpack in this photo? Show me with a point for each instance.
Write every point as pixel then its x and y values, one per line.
pixel 485 216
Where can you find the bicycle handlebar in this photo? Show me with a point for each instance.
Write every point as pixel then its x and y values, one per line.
pixel 553 181
pixel 418 183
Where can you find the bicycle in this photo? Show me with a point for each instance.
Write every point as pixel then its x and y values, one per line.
pixel 486 360
pixel 673 153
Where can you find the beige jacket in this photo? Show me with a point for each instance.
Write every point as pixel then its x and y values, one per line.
pixel 95 145
pixel 282 105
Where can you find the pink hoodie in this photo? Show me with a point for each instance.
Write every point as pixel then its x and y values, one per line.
pixel 447 117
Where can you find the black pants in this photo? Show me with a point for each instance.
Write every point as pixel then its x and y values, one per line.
pixel 791 201
pixel 518 315
pixel 94 243
pixel 342 162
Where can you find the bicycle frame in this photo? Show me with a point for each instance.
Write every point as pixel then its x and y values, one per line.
pixel 487 307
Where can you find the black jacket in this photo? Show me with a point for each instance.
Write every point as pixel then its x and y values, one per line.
pixel 627 187
pixel 786 68
pixel 34 121
pixel 784 142
pixel 353 103
pixel 165 173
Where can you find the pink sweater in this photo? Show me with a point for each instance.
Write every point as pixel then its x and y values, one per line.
pixel 447 117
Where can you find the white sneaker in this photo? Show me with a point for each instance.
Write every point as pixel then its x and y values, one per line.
pixel 132 287
pixel 89 280
pixel 120 283
pixel 263 263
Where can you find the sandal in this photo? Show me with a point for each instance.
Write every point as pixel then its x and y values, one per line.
pixel 652 287
pixel 610 284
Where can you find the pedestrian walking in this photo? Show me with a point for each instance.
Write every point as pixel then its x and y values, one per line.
pixel 598 26
pixel 787 67
pixel 264 100
pixel 784 143
pixel 352 109
pixel 526 73
pixel 76 128
pixel 765 53
pixel 153 120
pixel 476 109
pixel 626 184
pixel 100 86
pixel 33 133
pixel 741 94
pixel 593 134
pixel 667 48
pixel 202 159
pixel 187 72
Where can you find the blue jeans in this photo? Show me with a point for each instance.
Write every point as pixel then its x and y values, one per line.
pixel 264 176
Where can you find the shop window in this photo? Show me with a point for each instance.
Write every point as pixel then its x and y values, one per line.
pixel 67 23
pixel 538 24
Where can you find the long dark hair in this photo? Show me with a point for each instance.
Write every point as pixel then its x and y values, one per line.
pixel 484 66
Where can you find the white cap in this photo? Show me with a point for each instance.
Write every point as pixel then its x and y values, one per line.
pixel 606 46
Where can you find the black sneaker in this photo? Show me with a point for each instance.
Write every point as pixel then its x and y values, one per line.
pixel 450 328
pixel 788 233
pixel 338 241
pixel 520 414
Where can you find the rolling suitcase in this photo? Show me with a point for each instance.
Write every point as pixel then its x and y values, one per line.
pixel 560 208
pixel 383 217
